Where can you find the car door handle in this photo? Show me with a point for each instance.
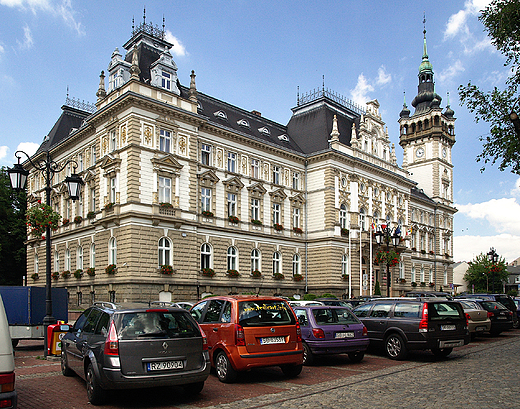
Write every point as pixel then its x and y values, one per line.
pixel 215 329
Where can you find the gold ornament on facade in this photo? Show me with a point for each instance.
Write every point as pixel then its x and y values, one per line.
pixel 182 145
pixel 123 134
pixel 266 171
pixel 219 158
pixel 244 166
pixel 148 135
pixel 286 177
pixel 105 144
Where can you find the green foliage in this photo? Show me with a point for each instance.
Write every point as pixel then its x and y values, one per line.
pixel 309 297
pixel 13 233
pixel 512 292
pixel 41 216
pixel 377 289
pixel 486 276
pixel 328 295
pixel 501 20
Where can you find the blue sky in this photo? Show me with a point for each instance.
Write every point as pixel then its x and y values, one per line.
pixel 255 55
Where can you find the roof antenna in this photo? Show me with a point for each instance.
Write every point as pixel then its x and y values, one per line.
pixel 144 15
pixel 323 78
pixel 298 95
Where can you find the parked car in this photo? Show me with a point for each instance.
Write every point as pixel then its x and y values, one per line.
pixel 334 302
pixel 517 303
pixel 404 324
pixel 331 330
pixel 478 319
pixel 246 332
pixel 120 347
pixel 8 394
pixel 500 316
pixel 353 302
pixel 301 303
pixel 429 294
pixel 503 299
pixel 185 304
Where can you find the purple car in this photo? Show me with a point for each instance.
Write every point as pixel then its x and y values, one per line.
pixel 330 330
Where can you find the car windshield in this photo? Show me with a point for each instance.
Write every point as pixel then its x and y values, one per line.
pixel 442 310
pixel 157 324
pixel 257 313
pixel 334 316
pixel 470 305
pixel 492 306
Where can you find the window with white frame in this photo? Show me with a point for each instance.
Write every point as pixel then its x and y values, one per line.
pixel 276 213
pixel 205 256
pixel 255 168
pixel 431 276
pixel 67 260
pixel 164 252
pixel 164 190
pixel 296 217
pixel 231 204
pixel 205 154
pixel 344 264
pixel 68 210
pixel 80 162
pixel 166 80
pixel 421 276
pixel 113 189
pixel 205 199
pixel 362 219
pixel 296 180
pixel 93 255
pixel 113 141
pixel 296 268
pixel 36 264
pixel 255 260
pixel 93 199
pixel 165 138
pixel 277 265
pixel 401 270
pixel 93 156
pixel 255 209
pixel 232 258
pixel 112 251
pixel 231 162
pixel 79 258
pixel 56 261
pixel 445 277
pixel 413 278
pixel 343 216
pixel 276 175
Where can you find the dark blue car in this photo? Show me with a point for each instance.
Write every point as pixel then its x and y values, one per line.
pixel 331 330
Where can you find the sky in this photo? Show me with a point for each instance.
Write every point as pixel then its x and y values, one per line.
pixel 258 56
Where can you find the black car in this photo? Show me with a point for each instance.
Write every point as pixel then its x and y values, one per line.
pixel 440 294
pixel 403 324
pixel 500 316
pixel 503 299
pixel 121 347
pixel 334 302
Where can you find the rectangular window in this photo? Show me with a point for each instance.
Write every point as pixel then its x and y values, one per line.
pixel 112 190
pixel 205 199
pixel 80 162
pixel 164 141
pixel 205 154
pixel 165 190
pixel 296 217
pixel 113 141
pixel 93 156
pixel 93 200
pixel 296 181
pixel 276 175
pixel 255 168
pixel 231 163
pixel 255 209
pixel 276 213
pixel 166 80
pixel 232 204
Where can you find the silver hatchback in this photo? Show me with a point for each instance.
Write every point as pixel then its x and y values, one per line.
pixel 118 347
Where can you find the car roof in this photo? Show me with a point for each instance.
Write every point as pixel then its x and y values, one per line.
pixel 243 297
pixel 318 307
pixel 136 306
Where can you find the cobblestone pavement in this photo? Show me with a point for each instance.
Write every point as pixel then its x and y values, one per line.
pixel 483 374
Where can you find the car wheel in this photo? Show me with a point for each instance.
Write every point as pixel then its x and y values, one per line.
pixel 441 352
pixel 292 371
pixel 495 333
pixel 194 388
pixel 95 394
pixel 308 357
pixel 516 324
pixel 223 368
pixel 65 370
pixel 473 336
pixel 395 347
pixel 356 356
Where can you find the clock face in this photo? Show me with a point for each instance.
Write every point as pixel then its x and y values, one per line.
pixel 419 152
pixel 444 152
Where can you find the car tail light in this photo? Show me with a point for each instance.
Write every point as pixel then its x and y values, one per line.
pixel 6 403
pixel 490 314
pixel 204 339
pixel 318 333
pixel 240 339
pixel 423 325
pixel 298 332
pixel 112 343
pixel 365 331
pixel 7 382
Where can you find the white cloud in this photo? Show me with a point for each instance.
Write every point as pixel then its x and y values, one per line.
pixel 382 76
pixel 178 48
pixel 2 49
pixel 503 214
pixel 516 190
pixel 28 41
pixel 360 93
pixel 451 72
pixel 3 152
pixel 457 23
pixel 466 248
pixel 29 148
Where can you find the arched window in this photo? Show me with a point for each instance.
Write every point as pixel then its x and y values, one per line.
pixel 67 260
pixel 93 255
pixel 343 216
pixel 112 251
pixel 344 264
pixel 255 260
pixel 232 258
pixel 79 258
pixel 205 256
pixel 296 264
pixel 277 267
pixel 164 251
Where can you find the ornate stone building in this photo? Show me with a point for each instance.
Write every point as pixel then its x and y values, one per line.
pixel 179 178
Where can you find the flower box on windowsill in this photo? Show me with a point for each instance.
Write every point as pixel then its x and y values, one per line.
pixel 297 277
pixel 344 232
pixel 166 269
pixel 111 269
pixel 233 220
pixel 256 274
pixel 91 215
pixel 91 271
pixel 278 276
pixel 297 230
pixel 345 277
pixel 65 274
pixel 78 219
pixel 278 227
pixel 65 222
pixel 402 281
pixel 207 213
pixel 207 272
pixel 35 276
pixel 423 284
pixel 233 273
pixel 55 275
pixel 78 273
pixel 431 284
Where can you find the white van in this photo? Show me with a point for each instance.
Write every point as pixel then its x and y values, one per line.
pixel 8 396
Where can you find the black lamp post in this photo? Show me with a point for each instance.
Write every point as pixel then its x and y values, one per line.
pixel 387 234
pixel 18 176
pixel 493 258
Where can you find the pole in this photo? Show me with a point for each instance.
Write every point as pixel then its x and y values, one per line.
pixel 388 278
pixel 48 319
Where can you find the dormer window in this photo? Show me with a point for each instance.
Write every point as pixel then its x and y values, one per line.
pixel 264 131
pixel 283 137
pixel 244 123
pixel 166 80
pixel 220 114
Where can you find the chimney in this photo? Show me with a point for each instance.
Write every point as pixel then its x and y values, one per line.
pixel 256 113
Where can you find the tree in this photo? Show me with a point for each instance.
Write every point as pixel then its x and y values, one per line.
pixel 13 233
pixel 486 276
pixel 501 19
pixel 377 289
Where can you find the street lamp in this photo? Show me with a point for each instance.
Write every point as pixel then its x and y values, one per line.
pixel 387 234
pixel 493 258
pixel 18 176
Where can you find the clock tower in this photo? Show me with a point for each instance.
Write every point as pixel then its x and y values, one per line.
pixel 427 137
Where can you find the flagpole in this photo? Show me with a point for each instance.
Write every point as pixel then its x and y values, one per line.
pixel 371 265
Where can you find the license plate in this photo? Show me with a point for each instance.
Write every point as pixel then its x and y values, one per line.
pixel 272 340
pixel 451 344
pixel 480 328
pixel 502 318
pixel 164 365
pixel 448 327
pixel 344 335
